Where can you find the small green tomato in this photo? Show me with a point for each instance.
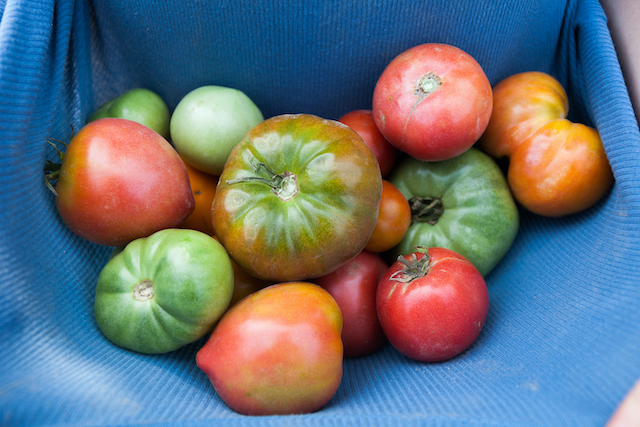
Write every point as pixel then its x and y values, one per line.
pixel 208 122
pixel 140 105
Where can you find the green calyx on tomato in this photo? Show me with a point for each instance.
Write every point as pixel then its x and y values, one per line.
pixel 463 204
pixel 164 291
pixel 298 197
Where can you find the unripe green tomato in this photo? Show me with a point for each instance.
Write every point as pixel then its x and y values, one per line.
pixel 208 122
pixel 163 291
pixel 140 105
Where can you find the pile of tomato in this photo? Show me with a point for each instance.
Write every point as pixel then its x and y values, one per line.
pixel 295 241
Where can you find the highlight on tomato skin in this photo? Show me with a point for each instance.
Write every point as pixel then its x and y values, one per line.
pixel 555 167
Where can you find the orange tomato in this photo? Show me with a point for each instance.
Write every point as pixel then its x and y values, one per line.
pixel 556 167
pixel 203 187
pixel 394 218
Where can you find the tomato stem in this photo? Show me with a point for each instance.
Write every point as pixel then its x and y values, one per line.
pixel 427 84
pixel 426 209
pixel 284 185
pixel 413 268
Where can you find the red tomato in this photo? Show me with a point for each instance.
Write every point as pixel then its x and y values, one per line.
pixel 432 101
pixel 278 351
pixel 432 306
pixel 362 122
pixel 203 187
pixel 394 219
pixel 120 180
pixel 556 167
pixel 353 286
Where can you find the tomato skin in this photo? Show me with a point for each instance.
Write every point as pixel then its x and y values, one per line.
pixel 278 351
pixel 433 101
pixel 203 187
pixel 208 122
pixel 191 276
pixel 438 316
pixel 474 212
pixel 140 105
pixel 120 181
pixel 556 167
pixel 394 219
pixel 325 208
pixel 363 123
pixel 353 286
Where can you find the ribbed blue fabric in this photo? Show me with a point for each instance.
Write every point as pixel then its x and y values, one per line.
pixel 561 343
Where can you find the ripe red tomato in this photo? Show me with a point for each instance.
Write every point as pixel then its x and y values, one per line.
pixel 394 219
pixel 203 187
pixel 119 181
pixel 432 101
pixel 432 306
pixel 353 286
pixel 278 351
pixel 362 122
pixel 556 167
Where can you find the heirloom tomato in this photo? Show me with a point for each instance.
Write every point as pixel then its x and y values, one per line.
pixel 353 286
pixel 140 105
pixel 278 351
pixel 463 204
pixel 432 304
pixel 203 188
pixel 556 167
pixel 120 180
pixel 208 122
pixel 298 197
pixel 362 122
pixel 164 291
pixel 394 218
pixel 432 101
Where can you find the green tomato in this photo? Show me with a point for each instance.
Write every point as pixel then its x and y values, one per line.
pixel 140 105
pixel 163 291
pixel 463 204
pixel 208 122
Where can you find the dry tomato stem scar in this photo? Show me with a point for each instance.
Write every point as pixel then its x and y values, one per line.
pixel 413 268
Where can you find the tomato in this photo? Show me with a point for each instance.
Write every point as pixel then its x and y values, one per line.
pixel 432 304
pixel 203 187
pixel 433 101
pixel 362 122
pixel 394 218
pixel 119 181
pixel 278 351
pixel 463 204
pixel 163 291
pixel 298 197
pixel 208 122
pixel 140 105
pixel 556 167
pixel 353 286
pixel 245 284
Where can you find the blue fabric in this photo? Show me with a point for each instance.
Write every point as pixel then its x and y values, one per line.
pixel 561 344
